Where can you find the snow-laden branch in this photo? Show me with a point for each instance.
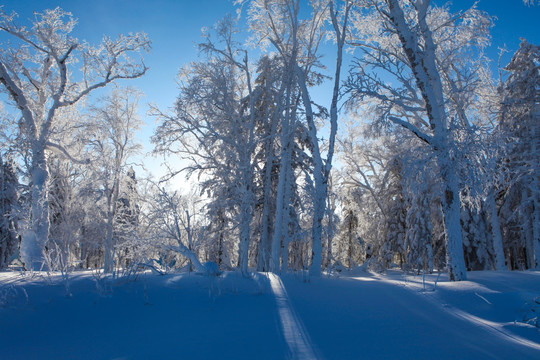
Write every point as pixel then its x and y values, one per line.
pixel 63 151
pixel 428 139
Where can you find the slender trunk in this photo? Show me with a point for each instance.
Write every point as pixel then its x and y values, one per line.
pixel 316 233
pixel 112 201
pixel 189 233
pixel 331 232
pixel 247 179
pixel 245 223
pixel 265 246
pixel 264 243
pixel 281 203
pixel 496 232
pixel 287 129
pixel 220 248
pixel 320 182
pixel 322 171
pixel 286 220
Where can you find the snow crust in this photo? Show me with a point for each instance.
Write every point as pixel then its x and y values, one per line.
pixel 266 316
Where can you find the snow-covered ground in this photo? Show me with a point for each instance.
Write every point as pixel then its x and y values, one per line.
pixel 187 316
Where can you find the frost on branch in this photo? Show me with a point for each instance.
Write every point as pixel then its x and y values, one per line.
pixel 43 69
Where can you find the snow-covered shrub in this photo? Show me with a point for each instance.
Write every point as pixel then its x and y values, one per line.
pixel 531 310
pixel 211 269
pixel 10 295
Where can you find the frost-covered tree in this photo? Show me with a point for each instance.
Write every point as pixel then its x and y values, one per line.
pixel 214 128
pixel 296 40
pixel 111 137
pixel 127 219
pixel 348 247
pixel 66 213
pixel 269 92
pixel 44 69
pixel 519 123
pixel 172 226
pixel 422 48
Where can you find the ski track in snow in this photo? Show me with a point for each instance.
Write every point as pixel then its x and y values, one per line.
pixel 294 332
pixel 496 329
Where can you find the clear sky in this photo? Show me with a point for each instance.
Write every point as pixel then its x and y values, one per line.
pixel 174 26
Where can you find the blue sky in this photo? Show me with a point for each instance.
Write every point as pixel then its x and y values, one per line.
pixel 175 27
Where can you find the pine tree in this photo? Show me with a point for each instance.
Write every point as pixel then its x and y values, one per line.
pixel 520 122
pixel 9 239
pixel 127 219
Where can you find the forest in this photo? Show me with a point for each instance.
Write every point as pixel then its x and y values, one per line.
pixel 337 180
pixel 424 160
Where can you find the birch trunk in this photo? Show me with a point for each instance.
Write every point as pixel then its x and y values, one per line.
pixel 265 246
pixel 35 238
pixel 451 212
pixel 423 65
pixel 322 170
pixel 286 220
pixel 263 262
pixel 245 224
pixel 247 179
pixel 287 130
pixel 281 202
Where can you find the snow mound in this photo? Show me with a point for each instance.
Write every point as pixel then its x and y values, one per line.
pixel 211 269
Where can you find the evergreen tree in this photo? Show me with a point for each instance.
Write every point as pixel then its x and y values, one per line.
pixel 9 240
pixel 127 219
pixel 520 123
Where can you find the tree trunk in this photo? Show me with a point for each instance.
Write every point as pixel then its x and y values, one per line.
pixel 281 204
pixel 320 186
pixel 245 224
pixel 451 212
pixel 35 239
pixel 283 182
pixel 112 201
pixel 496 232
pixel 265 246
pixel 286 220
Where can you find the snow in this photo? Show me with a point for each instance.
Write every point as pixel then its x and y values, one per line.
pixel 294 332
pixel 267 316
pixel 211 268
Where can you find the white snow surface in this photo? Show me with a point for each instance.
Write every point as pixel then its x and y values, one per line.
pixel 357 315
pixel 294 332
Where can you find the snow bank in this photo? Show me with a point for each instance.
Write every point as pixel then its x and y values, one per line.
pixel 230 316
